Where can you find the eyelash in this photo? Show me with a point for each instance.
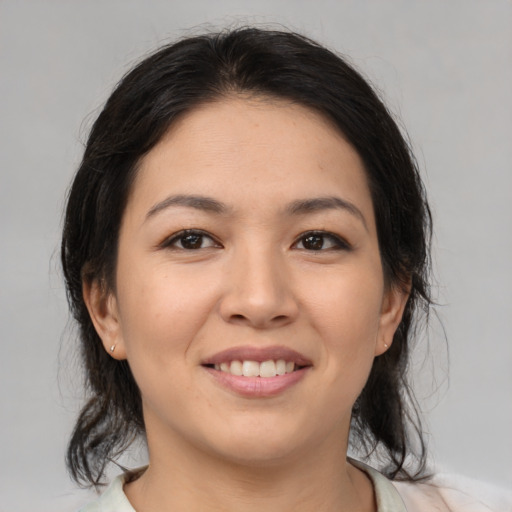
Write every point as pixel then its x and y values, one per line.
pixel 170 243
pixel 337 243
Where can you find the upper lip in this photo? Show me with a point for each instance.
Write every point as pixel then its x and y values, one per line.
pixel 258 354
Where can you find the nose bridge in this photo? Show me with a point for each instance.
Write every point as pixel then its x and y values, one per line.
pixel 258 290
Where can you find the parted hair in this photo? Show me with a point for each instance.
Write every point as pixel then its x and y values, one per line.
pixel 165 86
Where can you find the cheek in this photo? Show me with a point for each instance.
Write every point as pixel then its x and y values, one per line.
pixel 162 312
pixel 345 311
pixel 348 301
pixel 161 320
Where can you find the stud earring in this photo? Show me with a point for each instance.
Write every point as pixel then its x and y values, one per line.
pixel 112 348
pixel 386 345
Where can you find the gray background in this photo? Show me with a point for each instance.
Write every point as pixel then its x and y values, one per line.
pixel 445 68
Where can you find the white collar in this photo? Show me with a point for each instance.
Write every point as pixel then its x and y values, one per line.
pixel 388 499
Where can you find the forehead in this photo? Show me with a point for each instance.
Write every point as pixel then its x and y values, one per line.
pixel 252 151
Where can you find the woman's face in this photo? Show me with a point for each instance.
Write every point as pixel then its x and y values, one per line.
pixel 248 246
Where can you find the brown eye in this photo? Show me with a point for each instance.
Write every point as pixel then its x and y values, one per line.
pixel 313 242
pixel 190 240
pixel 320 240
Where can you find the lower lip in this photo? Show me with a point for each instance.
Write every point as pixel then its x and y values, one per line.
pixel 257 387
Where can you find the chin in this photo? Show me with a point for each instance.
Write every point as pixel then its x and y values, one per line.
pixel 262 454
pixel 261 445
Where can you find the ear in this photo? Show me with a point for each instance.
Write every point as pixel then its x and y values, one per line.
pixel 393 305
pixel 103 310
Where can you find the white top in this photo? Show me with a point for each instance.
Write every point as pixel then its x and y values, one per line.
pixel 442 494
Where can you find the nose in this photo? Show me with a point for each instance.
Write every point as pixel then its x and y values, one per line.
pixel 259 290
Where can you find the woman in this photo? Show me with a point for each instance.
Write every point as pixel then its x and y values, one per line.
pixel 246 252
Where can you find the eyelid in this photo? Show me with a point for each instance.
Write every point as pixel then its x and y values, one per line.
pixel 340 243
pixel 168 242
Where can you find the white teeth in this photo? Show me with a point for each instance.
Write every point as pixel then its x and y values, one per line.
pixel 249 368
pixel 267 369
pixel 280 367
pixel 236 368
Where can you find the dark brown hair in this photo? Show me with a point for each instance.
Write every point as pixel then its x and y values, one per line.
pixel 145 103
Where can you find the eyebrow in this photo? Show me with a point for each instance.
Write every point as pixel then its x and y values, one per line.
pixel 303 206
pixel 298 207
pixel 206 204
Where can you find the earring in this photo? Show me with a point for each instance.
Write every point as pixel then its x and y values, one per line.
pixel 112 348
pixel 386 345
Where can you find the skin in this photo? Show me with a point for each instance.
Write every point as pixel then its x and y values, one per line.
pixel 257 282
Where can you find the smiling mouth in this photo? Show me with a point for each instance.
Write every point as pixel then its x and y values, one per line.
pixel 257 372
pixel 248 368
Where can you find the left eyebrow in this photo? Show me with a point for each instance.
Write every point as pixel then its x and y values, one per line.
pixel 316 204
pixel 203 203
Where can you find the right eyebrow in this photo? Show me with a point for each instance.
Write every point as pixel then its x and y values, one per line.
pixel 317 204
pixel 207 204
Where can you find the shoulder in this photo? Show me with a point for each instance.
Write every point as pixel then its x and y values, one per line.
pixel 454 493
pixel 386 495
pixel 112 500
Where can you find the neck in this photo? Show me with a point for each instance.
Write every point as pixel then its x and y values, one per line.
pixel 186 478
